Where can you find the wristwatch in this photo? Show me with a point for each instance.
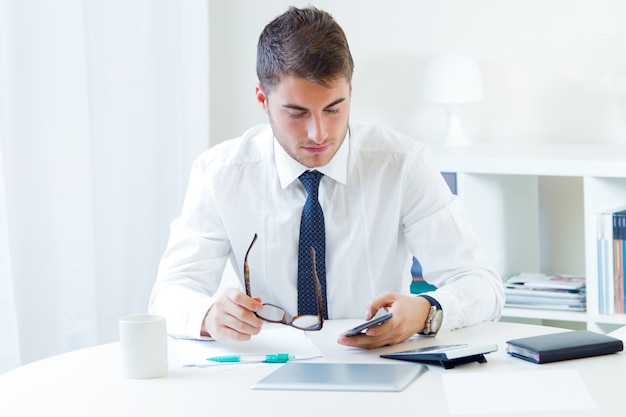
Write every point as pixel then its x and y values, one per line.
pixel 435 317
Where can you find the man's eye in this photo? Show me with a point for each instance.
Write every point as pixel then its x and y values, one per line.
pixel 296 115
pixel 333 111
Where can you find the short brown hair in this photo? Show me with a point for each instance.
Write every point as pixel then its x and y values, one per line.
pixel 305 43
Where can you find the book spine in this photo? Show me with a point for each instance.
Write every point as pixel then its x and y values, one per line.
pixel 616 281
pixel 607 300
pixel 623 217
pixel 601 249
pixel 620 224
pixel 618 270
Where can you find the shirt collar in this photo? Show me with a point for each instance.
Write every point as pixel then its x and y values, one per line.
pixel 289 169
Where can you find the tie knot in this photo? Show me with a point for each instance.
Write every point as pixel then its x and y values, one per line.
pixel 311 180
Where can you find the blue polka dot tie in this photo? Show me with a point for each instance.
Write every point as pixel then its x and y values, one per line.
pixel 312 234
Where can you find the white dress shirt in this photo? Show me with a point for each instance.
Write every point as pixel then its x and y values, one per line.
pixel 383 200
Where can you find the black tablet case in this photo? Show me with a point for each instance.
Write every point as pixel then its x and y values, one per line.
pixel 563 346
pixel 447 356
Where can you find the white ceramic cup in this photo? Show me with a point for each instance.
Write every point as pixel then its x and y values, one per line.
pixel 143 343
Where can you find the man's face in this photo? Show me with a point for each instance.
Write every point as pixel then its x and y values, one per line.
pixel 309 121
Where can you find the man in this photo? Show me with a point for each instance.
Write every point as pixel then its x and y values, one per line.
pixel 383 201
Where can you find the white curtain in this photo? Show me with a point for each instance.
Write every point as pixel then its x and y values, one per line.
pixel 103 107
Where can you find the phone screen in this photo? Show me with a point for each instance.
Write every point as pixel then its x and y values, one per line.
pixel 364 326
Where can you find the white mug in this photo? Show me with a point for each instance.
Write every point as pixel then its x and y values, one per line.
pixel 143 343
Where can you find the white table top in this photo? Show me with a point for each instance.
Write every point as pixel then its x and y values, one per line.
pixel 88 382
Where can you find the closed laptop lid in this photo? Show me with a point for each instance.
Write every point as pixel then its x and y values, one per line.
pixel 341 377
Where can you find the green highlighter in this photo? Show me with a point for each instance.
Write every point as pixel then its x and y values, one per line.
pixel 278 358
pixel 270 358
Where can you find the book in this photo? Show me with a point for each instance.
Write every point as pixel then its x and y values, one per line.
pixel 622 215
pixel 619 234
pixel 563 346
pixel 604 230
pixel 546 302
pixel 610 232
pixel 556 293
pixel 525 280
pixel 542 306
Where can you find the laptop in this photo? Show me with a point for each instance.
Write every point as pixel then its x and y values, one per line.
pixel 341 377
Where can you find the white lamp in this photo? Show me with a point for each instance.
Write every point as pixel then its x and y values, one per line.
pixel 452 79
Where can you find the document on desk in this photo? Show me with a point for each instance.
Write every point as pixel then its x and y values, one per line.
pixel 511 392
pixel 273 339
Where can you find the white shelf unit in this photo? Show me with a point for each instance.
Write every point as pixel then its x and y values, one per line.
pixel 534 209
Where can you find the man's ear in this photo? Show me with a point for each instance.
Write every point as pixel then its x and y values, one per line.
pixel 261 97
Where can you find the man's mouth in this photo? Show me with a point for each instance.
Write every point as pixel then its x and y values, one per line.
pixel 316 149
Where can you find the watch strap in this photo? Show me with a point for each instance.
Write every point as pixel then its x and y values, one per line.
pixel 432 301
pixel 435 308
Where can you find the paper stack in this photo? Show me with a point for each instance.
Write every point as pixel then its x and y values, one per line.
pixel 545 291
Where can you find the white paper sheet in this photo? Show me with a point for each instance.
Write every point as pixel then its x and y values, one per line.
pixel 274 338
pixel 509 392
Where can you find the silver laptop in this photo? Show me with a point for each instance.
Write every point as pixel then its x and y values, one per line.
pixel 341 376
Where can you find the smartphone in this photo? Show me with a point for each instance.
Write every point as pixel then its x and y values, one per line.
pixel 361 328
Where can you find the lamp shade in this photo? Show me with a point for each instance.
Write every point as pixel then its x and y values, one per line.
pixel 452 78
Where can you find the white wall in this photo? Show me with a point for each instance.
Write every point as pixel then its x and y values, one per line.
pixel 554 70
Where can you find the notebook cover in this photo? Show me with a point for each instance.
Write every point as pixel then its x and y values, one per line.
pixel 341 377
pixel 563 346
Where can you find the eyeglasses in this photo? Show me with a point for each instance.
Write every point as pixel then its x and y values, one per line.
pixel 276 314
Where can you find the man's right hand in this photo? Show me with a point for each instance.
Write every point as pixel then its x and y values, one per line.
pixel 232 317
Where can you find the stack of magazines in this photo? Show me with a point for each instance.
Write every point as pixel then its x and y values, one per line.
pixel 545 291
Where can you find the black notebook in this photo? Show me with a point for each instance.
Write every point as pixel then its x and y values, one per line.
pixel 563 346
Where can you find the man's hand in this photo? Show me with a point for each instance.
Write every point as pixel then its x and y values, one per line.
pixel 409 317
pixel 232 317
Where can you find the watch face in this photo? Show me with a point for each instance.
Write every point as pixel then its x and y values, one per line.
pixel 435 324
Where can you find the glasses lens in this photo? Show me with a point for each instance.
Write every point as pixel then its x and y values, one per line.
pixel 306 322
pixel 271 313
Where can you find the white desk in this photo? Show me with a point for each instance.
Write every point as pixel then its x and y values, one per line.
pixel 88 382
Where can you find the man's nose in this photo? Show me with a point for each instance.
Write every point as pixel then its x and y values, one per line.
pixel 317 129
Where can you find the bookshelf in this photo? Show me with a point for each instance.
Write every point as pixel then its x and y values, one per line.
pixel 534 209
